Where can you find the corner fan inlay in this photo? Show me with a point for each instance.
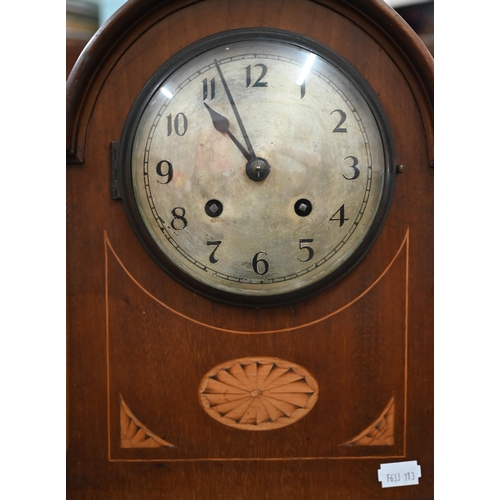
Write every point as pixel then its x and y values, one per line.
pixel 258 394
pixel 136 435
pixel 380 432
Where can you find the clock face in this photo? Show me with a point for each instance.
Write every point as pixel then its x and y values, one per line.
pixel 257 167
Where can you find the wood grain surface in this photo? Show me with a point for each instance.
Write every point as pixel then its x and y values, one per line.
pixel 142 348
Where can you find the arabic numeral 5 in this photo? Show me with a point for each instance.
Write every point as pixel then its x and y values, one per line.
pixel 304 245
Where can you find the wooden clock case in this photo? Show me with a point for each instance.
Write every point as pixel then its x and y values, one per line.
pixel 142 350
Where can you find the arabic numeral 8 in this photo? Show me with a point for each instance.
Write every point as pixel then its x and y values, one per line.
pixel 179 222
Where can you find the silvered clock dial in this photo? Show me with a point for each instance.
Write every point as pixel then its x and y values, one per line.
pixel 257 167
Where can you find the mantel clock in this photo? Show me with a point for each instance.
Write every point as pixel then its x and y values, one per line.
pixel 249 261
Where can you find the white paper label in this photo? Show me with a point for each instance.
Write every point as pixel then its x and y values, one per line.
pixel 399 474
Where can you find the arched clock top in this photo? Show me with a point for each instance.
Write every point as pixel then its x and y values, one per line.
pixel 126 26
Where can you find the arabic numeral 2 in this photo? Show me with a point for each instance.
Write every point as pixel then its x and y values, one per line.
pixel 343 116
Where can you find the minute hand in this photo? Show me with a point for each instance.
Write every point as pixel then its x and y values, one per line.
pixel 235 110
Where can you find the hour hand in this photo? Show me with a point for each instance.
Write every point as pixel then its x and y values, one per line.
pixel 221 124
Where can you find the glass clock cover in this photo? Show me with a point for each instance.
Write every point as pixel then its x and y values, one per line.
pixel 257 167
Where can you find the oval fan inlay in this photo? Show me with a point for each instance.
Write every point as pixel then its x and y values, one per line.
pixel 258 393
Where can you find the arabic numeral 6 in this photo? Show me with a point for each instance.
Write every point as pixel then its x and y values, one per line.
pixel 259 264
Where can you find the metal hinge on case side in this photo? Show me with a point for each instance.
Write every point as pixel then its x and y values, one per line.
pixel 115 171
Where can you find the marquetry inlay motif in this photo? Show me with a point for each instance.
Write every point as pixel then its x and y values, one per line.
pixel 380 432
pixel 258 394
pixel 136 435
pixel 214 425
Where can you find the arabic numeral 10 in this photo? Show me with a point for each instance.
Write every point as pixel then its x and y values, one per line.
pixel 177 124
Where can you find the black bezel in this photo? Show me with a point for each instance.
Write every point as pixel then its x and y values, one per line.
pixel 152 86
